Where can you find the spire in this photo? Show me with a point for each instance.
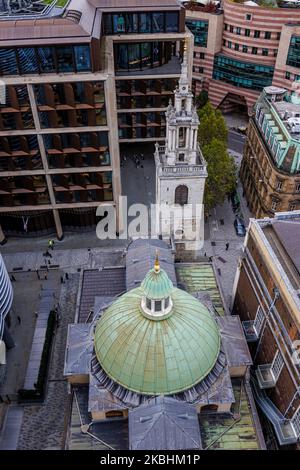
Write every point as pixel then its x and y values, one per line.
pixel 156 264
pixel 184 81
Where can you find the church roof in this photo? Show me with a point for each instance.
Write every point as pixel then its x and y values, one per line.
pixel 157 285
pixel 164 356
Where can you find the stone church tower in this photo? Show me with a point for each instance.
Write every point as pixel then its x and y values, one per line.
pixel 180 168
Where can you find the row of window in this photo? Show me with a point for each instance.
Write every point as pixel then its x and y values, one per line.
pixel 247 32
pixel 56 59
pixel 246 49
pixel 242 74
pixel 199 30
pixel 151 22
pixel 199 55
pixel 140 56
pixel 291 76
pixel 198 69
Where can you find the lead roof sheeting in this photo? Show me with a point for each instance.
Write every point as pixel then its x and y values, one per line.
pixel 234 341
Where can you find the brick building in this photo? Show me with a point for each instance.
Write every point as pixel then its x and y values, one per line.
pixel 270 170
pixel 241 47
pixel 266 297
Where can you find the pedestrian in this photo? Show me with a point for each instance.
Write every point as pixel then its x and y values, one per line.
pixel 36 314
pixel 12 278
pixel 61 280
pixel 19 319
pixel 67 276
pixel 227 246
pixel 49 262
pixel 46 277
pixel 210 259
pixel 38 275
pixel 205 255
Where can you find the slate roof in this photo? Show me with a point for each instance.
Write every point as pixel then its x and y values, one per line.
pixel 164 424
pixel 233 341
pixel 288 233
pixel 79 349
pixel 140 259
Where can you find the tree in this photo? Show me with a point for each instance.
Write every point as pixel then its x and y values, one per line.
pixel 212 125
pixel 202 99
pixel 221 169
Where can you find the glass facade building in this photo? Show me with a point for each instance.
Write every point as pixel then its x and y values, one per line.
pixel 242 74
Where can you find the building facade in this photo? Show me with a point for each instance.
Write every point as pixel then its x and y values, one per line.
pixel 80 79
pixel 266 297
pixel 270 169
pixel 181 171
pixel 240 48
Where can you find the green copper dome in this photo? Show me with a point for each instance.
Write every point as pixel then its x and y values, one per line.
pixel 165 356
pixel 157 284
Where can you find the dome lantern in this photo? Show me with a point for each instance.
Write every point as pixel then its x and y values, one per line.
pixel 156 302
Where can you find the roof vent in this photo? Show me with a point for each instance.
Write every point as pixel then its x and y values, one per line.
pixel 73 15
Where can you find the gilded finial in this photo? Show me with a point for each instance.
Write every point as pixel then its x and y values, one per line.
pixel 156 264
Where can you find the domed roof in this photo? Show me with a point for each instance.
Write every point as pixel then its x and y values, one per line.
pixel 155 357
pixel 157 285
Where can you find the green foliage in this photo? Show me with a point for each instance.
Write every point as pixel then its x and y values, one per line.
pixel 202 99
pixel 221 170
pixel 38 392
pixel 212 125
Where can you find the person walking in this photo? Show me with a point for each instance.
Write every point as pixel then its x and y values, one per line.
pixel 19 319
pixel 12 278
pixel 227 246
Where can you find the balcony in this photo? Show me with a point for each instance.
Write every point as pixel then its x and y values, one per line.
pixel 283 427
pixel 265 376
pixel 250 331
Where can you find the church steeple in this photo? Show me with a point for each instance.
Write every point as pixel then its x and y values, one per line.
pixel 182 122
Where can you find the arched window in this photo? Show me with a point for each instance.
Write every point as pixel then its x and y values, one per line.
pixel 181 195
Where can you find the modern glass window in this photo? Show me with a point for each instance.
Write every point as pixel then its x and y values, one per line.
pixel 242 74
pixel 27 60
pixel 145 23
pixel 265 52
pixel 199 30
pixel 132 23
pixel 158 22
pixel 8 62
pixel 139 56
pixel 247 32
pixel 293 57
pixel 171 22
pixel 256 34
pixel 65 59
pixel 82 58
pixel 267 35
pixel 46 58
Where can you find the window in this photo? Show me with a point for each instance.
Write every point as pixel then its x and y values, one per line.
pixel 201 70
pixel 259 320
pixel 238 30
pixel 248 17
pixel 65 59
pixel 292 206
pixel 279 185
pixel 181 195
pixel 236 47
pixel 229 44
pixel 195 55
pixel 256 34
pixel 224 42
pixel 254 50
pixel 267 35
pixel 274 205
pixel 298 187
pixel 225 26
pixel 167 302
pixel 293 57
pixel 158 23
pixel 46 59
pixel 157 306
pixel 245 49
pixel 202 55
pixel 277 365
pixel 82 58
pixel 148 303
pixel 247 32
pixel 275 52
pixel 278 36
pixel 199 30
pixel 265 52
pixel 231 28
pixel 287 75
pixel 242 74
